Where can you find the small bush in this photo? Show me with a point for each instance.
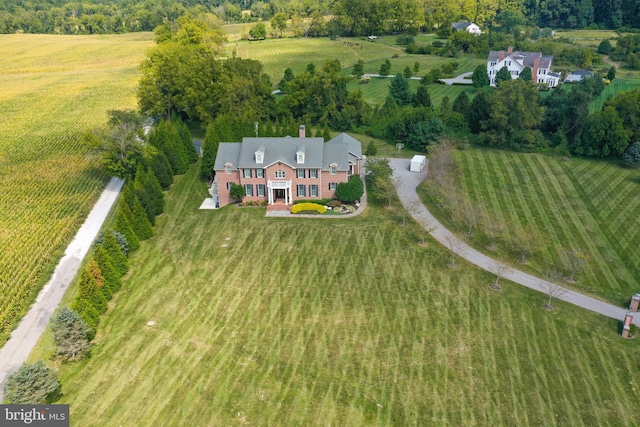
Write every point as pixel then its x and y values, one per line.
pixel 334 204
pixel 308 208
pixel 316 201
pixel 437 43
pixel 395 55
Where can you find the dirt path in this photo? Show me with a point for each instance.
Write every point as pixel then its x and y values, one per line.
pixel 26 335
pixel 409 198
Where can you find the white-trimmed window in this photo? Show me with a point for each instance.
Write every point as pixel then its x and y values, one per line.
pixel 259 157
pixel 229 185
pixel 301 190
pixel 300 157
pixel 313 173
pixel 228 170
pixel 247 173
pixel 260 190
pixel 259 173
pixel 280 174
pixel 332 186
pixel 299 173
pixel 334 170
pixel 313 190
pixel 248 189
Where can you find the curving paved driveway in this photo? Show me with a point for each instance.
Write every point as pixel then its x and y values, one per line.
pixel 408 181
pixel 16 351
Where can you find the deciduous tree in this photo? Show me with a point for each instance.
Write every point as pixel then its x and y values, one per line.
pixel 480 77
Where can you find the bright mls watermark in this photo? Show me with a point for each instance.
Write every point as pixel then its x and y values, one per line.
pixel 34 415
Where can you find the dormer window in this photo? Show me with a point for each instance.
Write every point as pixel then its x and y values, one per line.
pixel 227 167
pixel 300 155
pixel 334 168
pixel 260 155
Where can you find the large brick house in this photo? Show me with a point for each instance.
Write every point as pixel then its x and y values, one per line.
pixel 517 61
pixel 286 169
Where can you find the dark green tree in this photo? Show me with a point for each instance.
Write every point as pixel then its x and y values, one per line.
pixel 526 74
pixel 70 334
pixel 136 214
pixel 358 69
pixel 326 134
pixel 416 67
pixel 32 384
pixel 187 141
pixel 258 31
pixel 478 112
pixel 123 226
pixel 445 106
pixel 385 68
pixel 161 168
pixel 515 113
pixel 209 151
pixel 372 150
pixel 480 77
pixel 113 250
pixel 605 47
pixel 422 97
pixel 407 72
pixel 503 75
pixel 349 192
pixel 149 192
pixel 603 135
pixel 112 282
pixel 399 90
pixel 611 74
pixel 237 192
pixel 286 78
pixel 462 104
pixel 165 137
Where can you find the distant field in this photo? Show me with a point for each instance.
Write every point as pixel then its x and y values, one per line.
pixel 376 91
pixel 588 38
pixel 612 90
pixel 335 322
pixel 279 54
pixel 53 89
pixel 587 204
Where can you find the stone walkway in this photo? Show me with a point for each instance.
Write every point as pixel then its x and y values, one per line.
pixel 24 338
pixel 410 200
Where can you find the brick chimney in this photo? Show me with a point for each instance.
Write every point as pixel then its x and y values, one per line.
pixel 534 70
pixel 509 50
pixel 626 328
pixel 301 131
pixel 500 55
pixel 635 301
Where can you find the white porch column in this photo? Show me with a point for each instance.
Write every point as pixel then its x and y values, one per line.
pixel 269 194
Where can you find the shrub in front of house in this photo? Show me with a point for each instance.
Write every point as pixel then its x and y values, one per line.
pixel 305 208
pixel 334 204
pixel 316 201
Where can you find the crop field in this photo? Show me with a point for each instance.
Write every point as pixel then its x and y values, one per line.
pixel 53 89
pixel 612 90
pixel 589 205
pixel 279 321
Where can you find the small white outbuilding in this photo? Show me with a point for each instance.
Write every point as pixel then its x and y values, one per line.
pixel 417 163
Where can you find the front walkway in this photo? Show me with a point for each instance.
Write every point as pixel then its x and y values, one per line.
pixel 409 198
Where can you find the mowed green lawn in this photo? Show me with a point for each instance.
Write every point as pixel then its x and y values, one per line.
pixel 591 205
pixel 336 322
pixel 53 90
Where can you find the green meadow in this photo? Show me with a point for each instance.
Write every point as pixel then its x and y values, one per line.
pixel 290 321
pixel 590 205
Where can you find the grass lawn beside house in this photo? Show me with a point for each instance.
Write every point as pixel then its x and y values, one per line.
pixel 335 322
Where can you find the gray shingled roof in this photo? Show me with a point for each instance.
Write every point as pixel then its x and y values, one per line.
pixel 582 73
pixel 228 152
pixel 355 147
pixel 460 25
pixel 341 150
pixel 524 58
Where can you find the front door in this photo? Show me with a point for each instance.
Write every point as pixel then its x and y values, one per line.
pixel 279 193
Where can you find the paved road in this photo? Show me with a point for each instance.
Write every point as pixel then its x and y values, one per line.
pixel 410 200
pixel 26 335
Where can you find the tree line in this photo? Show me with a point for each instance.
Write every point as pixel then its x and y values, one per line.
pixel 341 17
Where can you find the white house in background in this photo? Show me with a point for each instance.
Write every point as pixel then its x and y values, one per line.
pixel 578 75
pixel 517 61
pixel 469 27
